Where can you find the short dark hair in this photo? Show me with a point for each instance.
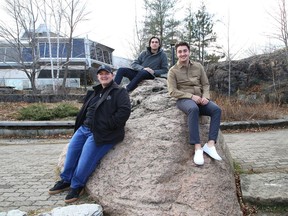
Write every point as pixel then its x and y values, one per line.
pixel 182 43
pixel 154 37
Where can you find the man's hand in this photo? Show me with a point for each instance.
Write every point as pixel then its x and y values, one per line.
pixel 204 101
pixel 149 70
pixel 199 100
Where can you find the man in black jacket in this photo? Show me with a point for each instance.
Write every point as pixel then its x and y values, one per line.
pixel 99 127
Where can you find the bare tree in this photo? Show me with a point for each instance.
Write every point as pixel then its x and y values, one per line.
pixel 74 13
pixel 281 33
pixel 64 14
pixel 139 37
pixel 57 17
pixel 51 12
pixel 281 24
pixel 22 38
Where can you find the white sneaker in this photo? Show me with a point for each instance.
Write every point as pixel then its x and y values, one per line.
pixel 211 151
pixel 198 157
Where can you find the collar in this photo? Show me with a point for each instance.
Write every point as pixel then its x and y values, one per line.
pixel 149 50
pixel 179 65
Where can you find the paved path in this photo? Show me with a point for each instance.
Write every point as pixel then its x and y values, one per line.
pixel 27 171
pixel 263 158
pixel 28 167
pixel 260 151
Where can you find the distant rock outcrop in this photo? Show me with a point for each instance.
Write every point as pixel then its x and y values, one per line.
pixel 262 77
pixel 152 171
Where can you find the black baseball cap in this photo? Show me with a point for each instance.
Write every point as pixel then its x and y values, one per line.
pixel 105 68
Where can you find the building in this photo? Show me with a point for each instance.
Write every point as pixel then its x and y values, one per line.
pixel 51 56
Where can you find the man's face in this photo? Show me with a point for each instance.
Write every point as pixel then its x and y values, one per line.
pixel 183 53
pixel 154 44
pixel 104 77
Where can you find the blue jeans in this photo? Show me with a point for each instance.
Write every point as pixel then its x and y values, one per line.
pixel 193 111
pixel 135 77
pixel 83 156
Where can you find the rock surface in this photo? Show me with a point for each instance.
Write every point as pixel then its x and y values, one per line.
pixel 76 210
pixel 72 210
pixel 152 171
pixel 271 188
pixel 262 77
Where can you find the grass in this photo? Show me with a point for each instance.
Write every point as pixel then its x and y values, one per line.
pixel 237 168
pixel 279 209
pixel 232 110
pixel 238 110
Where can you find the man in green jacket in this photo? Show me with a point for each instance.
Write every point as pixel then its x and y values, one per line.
pixel 188 83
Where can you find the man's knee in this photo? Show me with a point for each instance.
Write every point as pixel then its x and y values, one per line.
pixel 121 71
pixel 194 110
pixel 144 74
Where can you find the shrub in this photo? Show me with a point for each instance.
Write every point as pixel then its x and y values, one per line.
pixel 36 112
pixel 41 112
pixel 65 110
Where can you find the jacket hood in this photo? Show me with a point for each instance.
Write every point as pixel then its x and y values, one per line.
pixel 159 50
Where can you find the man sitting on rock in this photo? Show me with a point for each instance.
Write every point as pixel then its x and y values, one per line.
pixel 151 63
pixel 188 83
pixel 99 127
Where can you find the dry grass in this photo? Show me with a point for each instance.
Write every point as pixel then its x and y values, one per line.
pixel 232 109
pixel 236 110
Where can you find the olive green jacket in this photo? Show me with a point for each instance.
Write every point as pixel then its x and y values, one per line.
pixel 184 82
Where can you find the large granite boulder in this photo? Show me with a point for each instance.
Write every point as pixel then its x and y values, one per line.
pixel 152 171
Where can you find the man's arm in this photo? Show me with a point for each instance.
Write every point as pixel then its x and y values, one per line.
pixel 119 118
pixel 137 63
pixel 205 83
pixel 164 65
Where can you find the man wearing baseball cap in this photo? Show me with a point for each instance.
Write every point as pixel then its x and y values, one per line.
pixel 99 127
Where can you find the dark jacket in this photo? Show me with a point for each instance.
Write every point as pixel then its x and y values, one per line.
pixel 112 111
pixel 157 62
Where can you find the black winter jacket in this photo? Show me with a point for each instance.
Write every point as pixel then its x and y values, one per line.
pixel 112 111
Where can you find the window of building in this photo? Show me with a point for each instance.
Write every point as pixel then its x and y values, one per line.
pixel 107 57
pixel 99 54
pixel 78 48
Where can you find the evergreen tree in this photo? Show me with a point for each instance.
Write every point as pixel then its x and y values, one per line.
pixel 188 35
pixel 160 21
pixel 200 35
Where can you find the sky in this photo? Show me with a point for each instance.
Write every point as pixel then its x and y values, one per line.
pixel 112 23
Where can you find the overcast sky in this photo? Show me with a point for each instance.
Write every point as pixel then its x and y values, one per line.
pixel 112 23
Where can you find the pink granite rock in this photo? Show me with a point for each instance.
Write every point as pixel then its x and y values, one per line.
pixel 152 171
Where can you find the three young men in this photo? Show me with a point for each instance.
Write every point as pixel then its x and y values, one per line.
pixel 100 123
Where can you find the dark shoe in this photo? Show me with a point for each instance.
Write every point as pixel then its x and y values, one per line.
pixel 74 194
pixel 59 187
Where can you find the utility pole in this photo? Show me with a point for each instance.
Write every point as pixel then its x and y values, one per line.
pixel 172 44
